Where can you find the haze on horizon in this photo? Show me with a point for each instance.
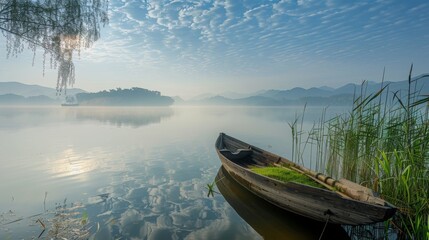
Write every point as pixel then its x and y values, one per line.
pixel 187 48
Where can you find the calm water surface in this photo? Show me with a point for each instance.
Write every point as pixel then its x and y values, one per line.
pixel 123 173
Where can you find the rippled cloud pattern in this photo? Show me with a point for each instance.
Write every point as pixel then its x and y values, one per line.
pixel 206 35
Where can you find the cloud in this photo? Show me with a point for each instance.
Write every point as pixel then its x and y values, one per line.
pixel 205 36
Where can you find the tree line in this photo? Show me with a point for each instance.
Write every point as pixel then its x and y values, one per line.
pixel 123 97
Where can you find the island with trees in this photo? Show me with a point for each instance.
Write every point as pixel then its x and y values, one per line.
pixel 124 97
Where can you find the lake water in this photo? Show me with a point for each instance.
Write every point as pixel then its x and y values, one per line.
pixel 124 173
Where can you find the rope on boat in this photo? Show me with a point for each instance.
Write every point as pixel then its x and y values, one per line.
pixel 327 212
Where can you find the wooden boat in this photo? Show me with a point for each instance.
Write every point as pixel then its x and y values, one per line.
pixel 339 202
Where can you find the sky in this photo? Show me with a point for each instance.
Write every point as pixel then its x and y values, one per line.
pixel 190 47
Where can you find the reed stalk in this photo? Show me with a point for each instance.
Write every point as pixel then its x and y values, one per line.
pixel 383 144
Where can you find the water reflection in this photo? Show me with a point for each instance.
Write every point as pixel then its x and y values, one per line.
pixel 22 117
pixel 268 220
pixel 132 181
pixel 163 197
pixel 133 117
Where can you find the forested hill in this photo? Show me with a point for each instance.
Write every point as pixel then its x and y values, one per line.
pixel 124 97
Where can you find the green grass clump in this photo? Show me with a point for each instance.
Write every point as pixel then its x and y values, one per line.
pixel 286 175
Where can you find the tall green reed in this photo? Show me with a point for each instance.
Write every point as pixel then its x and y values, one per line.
pixel 382 143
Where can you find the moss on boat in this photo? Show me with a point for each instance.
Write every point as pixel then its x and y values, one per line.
pixel 286 175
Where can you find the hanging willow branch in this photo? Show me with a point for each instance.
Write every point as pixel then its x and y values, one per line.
pixel 59 27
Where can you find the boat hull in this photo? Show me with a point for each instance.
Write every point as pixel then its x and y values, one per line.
pixel 277 223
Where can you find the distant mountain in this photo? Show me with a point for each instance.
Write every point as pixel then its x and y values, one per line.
pixel 13 99
pixel 315 96
pixel 258 101
pixel 14 93
pixel 227 94
pixel 18 93
pixel 178 100
pixel 235 95
pixel 326 88
pixel 216 100
pixel 26 90
pixel 202 97
pixel 401 87
pixel 296 93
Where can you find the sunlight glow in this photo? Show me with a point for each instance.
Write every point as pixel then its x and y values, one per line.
pixel 71 164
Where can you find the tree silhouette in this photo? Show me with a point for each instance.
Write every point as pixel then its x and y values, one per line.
pixel 59 27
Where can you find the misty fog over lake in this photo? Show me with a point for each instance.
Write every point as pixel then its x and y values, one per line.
pixel 135 172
